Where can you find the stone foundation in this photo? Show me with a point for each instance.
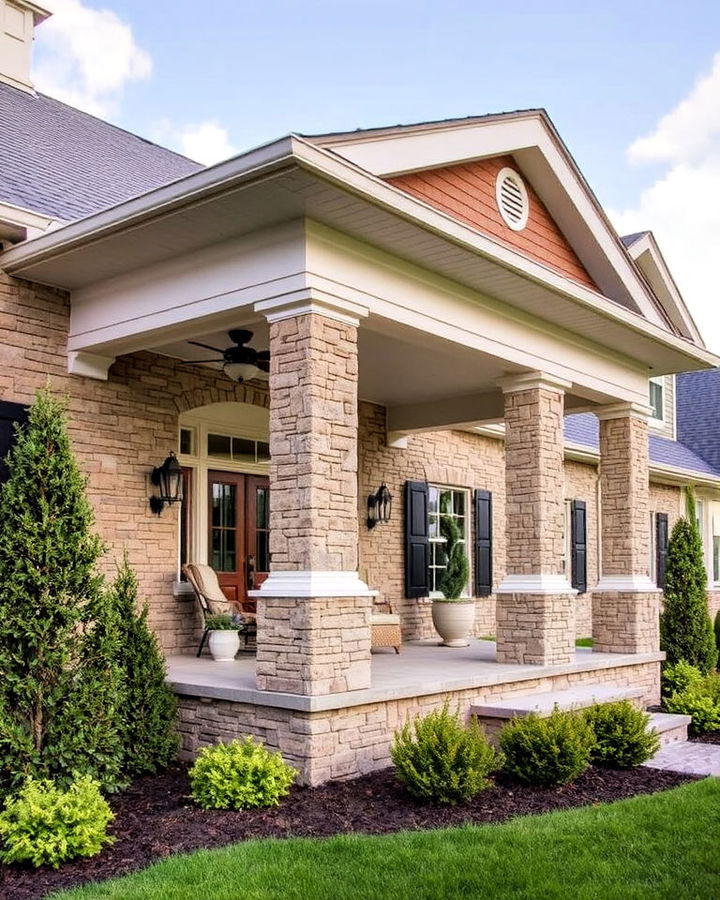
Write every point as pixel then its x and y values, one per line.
pixel 626 622
pixel 350 741
pixel 536 628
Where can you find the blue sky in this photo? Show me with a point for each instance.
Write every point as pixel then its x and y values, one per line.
pixel 222 77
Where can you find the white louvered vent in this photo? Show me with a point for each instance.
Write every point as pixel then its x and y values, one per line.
pixel 512 199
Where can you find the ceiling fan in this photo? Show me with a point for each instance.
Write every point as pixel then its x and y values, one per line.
pixel 240 363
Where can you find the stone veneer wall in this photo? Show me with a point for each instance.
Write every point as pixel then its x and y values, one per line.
pixel 120 429
pixel 343 743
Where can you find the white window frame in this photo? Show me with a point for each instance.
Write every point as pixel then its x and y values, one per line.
pixel 436 539
pixel 658 380
pixel 712 553
pixel 652 563
pixel 567 541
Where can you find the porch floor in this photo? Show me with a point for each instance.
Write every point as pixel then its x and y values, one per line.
pixel 422 668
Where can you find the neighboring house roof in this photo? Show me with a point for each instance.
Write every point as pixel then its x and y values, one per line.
pixel 630 239
pixel 584 429
pixel 698 413
pixel 62 162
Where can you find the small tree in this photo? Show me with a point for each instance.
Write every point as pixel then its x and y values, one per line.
pixel 58 683
pixel 686 632
pixel 147 718
pixel 455 577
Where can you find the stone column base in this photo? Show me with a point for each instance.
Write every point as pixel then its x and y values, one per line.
pixel 313 645
pixel 537 629
pixel 626 621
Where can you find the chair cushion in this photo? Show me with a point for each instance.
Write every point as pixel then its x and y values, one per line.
pixel 208 584
pixel 384 619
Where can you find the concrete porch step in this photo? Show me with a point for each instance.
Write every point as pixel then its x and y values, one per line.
pixel 670 727
pixel 580 697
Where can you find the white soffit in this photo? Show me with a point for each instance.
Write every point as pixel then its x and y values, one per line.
pixel 544 160
pixel 650 261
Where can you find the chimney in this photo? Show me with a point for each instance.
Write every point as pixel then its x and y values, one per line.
pixel 18 18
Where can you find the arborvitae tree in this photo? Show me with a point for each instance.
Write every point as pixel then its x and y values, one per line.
pixel 686 632
pixel 455 577
pixel 149 707
pixel 58 686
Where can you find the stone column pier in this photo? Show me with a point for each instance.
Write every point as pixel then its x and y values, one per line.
pixel 313 610
pixel 535 603
pixel 625 601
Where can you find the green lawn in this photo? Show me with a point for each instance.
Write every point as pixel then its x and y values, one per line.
pixel 584 642
pixel 661 846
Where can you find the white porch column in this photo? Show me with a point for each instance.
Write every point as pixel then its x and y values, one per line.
pixel 535 603
pixel 313 610
pixel 625 601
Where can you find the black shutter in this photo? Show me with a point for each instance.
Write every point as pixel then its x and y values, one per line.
pixel 417 549
pixel 10 413
pixel 661 548
pixel 483 543
pixel 578 543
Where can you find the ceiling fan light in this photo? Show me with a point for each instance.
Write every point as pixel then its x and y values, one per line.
pixel 241 371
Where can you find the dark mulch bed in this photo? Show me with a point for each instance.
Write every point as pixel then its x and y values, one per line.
pixel 712 737
pixel 154 818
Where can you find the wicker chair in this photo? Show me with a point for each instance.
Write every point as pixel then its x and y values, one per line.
pixel 385 629
pixel 213 601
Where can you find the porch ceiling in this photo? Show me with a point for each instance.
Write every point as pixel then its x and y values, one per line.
pixel 289 181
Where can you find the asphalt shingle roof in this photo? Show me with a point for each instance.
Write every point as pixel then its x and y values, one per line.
pixel 698 413
pixel 62 162
pixel 584 429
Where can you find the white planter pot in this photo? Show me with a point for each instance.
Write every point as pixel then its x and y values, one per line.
pixel 224 645
pixel 453 621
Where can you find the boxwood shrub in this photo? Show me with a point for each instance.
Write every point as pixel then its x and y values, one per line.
pixel 547 751
pixel 622 739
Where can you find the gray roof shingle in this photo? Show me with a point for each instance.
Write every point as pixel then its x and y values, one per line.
pixel 62 162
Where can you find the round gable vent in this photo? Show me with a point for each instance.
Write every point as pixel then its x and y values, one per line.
pixel 512 199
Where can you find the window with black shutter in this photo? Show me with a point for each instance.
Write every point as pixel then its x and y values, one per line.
pixel 416 539
pixel 661 548
pixel 483 543
pixel 10 414
pixel 578 545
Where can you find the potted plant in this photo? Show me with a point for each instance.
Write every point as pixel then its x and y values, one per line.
pixel 224 636
pixel 453 615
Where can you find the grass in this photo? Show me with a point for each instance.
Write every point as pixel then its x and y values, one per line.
pixel 584 642
pixel 656 846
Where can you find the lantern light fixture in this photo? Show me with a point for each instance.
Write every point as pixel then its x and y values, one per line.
pixel 239 371
pixel 379 506
pixel 168 479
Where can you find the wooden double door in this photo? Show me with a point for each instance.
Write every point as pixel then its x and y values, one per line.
pixel 238 539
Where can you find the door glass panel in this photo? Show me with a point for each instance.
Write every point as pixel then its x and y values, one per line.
pixel 223 531
pixel 262 515
pixel 263 554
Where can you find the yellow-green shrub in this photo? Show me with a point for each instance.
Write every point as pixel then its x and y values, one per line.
pixel 547 751
pixel 622 739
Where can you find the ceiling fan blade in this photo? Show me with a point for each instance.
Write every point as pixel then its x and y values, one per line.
pixel 263 364
pixel 263 354
pixel 194 362
pixel 207 347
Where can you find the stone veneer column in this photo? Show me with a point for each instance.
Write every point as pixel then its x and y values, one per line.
pixel 535 603
pixel 313 610
pixel 625 601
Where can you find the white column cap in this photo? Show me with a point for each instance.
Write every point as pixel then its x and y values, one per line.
pixel 527 381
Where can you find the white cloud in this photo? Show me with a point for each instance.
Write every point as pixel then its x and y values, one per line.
pixel 682 208
pixel 86 57
pixel 206 142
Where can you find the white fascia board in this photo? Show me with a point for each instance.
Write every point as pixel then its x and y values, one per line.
pixel 649 259
pixel 186 192
pixel 410 150
pixel 331 167
pixel 26 218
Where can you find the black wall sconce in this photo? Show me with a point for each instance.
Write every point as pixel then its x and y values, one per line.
pixel 379 506
pixel 168 479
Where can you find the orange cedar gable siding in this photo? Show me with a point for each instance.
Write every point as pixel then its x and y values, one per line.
pixel 467 192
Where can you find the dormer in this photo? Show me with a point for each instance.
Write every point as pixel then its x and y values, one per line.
pixel 18 19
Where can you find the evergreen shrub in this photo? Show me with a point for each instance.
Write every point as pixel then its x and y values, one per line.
pixel 240 775
pixel 622 739
pixel 679 676
pixel 686 632
pixel 45 825
pixel 547 751
pixel 438 758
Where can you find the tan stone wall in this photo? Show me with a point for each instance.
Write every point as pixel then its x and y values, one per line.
pixel 454 458
pixel 120 429
pixel 581 484
pixel 344 743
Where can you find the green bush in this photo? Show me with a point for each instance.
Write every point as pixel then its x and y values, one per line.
pixel 686 632
pixel 622 739
pixel 697 702
pixel 45 825
pixel 240 775
pixel 547 751
pixel 717 631
pixel 438 758
pixel 677 677
pixel 223 622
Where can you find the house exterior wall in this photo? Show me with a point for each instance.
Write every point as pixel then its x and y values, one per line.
pixel 467 192
pixel 120 429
